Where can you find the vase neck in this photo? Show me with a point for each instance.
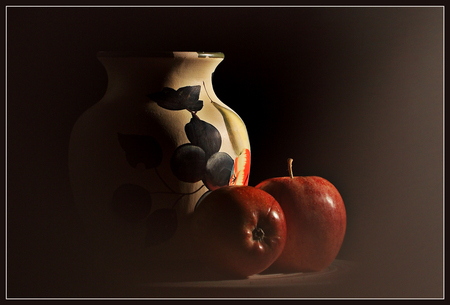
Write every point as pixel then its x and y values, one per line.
pixel 143 74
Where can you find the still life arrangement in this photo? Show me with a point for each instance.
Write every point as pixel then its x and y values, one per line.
pixel 160 170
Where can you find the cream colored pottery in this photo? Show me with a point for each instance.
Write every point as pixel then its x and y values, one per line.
pixel 142 157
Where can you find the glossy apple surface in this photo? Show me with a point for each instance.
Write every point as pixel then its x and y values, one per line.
pixel 238 230
pixel 315 219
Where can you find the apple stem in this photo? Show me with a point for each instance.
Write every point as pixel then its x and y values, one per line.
pixel 289 161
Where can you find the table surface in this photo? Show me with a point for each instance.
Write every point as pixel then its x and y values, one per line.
pixel 327 283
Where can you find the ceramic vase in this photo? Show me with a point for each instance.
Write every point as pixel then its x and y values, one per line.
pixel 142 157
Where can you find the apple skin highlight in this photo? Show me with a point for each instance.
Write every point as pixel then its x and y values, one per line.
pixel 316 221
pixel 238 230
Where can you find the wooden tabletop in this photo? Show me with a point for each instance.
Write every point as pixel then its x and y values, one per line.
pixel 329 283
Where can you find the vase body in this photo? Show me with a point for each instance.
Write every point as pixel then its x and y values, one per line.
pixel 143 156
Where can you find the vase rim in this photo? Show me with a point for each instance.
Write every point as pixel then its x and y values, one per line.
pixel 169 54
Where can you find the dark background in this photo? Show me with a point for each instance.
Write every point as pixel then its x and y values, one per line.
pixel 354 95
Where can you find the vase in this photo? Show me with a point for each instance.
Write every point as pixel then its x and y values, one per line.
pixel 146 154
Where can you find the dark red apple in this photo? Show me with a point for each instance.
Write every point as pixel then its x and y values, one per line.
pixel 238 231
pixel 315 220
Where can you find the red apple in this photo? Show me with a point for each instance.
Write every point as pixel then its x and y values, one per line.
pixel 315 220
pixel 238 230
